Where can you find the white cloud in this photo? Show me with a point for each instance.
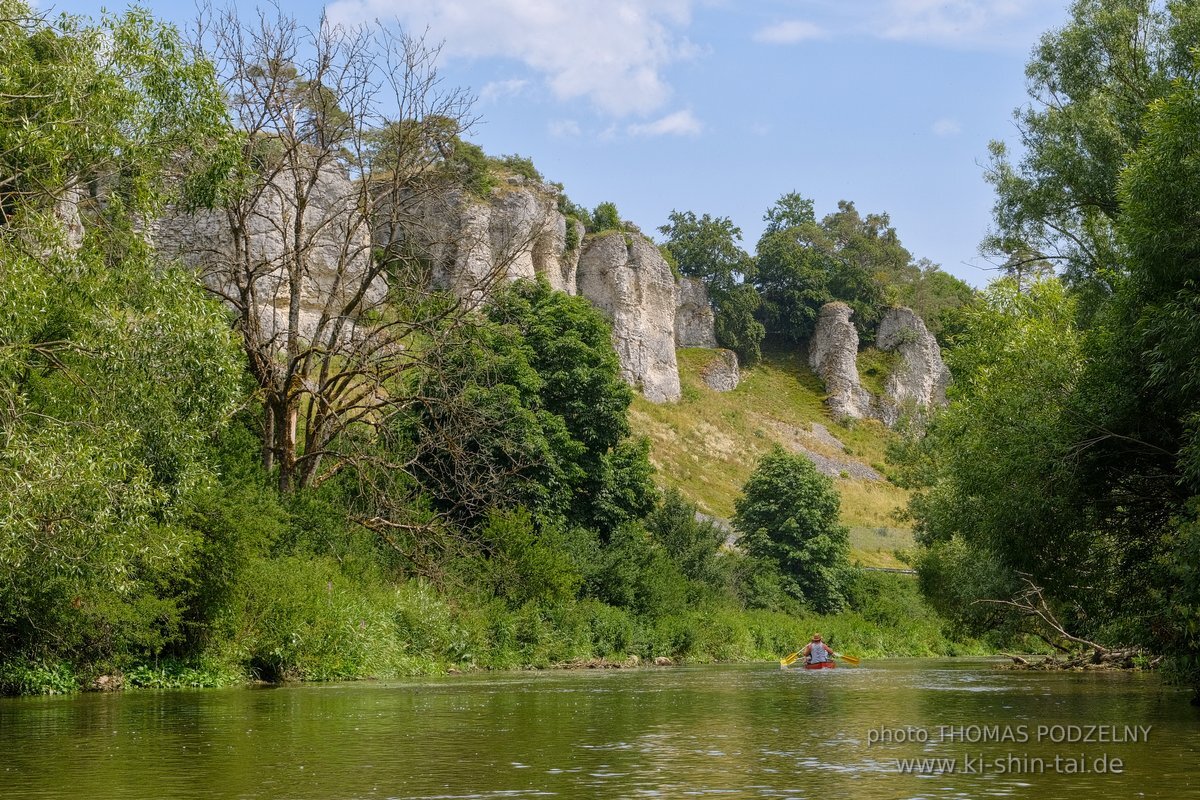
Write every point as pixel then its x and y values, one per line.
pixel 955 22
pixel 947 23
pixel 612 52
pixel 790 32
pixel 946 127
pixel 498 90
pixel 680 123
pixel 564 129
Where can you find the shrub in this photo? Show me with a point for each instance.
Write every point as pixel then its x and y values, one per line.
pixel 526 565
pixel 605 217
pixel 301 619
pixel 520 165
pixel 788 514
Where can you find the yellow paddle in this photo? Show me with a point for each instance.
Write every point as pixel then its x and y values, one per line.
pixel 790 659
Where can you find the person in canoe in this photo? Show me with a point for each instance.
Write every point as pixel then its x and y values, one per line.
pixel 817 655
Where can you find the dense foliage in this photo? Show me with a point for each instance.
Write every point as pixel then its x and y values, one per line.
pixel 788 517
pixel 114 369
pixel 707 248
pixel 190 495
pixel 800 264
pixel 1067 460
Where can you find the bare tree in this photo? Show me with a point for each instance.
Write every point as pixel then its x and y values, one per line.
pixel 347 155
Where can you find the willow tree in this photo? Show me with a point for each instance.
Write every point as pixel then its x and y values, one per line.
pixel 114 367
pixel 1090 83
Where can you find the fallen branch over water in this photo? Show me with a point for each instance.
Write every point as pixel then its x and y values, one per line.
pixel 1078 654
pixel 1098 658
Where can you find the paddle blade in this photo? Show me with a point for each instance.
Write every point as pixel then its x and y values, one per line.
pixel 788 659
pixel 851 660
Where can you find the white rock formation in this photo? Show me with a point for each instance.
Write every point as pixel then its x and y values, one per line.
pixel 66 213
pixel 833 354
pixel 333 255
pixel 626 277
pixel 721 374
pixel 694 321
pixel 920 379
pixel 475 244
pixel 918 382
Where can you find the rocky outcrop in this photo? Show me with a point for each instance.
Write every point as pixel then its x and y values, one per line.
pixel 721 374
pixel 67 215
pixel 252 269
pixel 833 354
pixel 471 245
pixel 694 322
pixel 921 377
pixel 917 382
pixel 626 277
pixel 474 243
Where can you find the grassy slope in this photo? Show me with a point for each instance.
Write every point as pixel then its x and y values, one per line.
pixel 707 444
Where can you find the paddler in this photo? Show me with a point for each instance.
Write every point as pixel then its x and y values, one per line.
pixel 816 652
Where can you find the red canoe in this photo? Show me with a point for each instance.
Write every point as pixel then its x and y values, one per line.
pixel 822 665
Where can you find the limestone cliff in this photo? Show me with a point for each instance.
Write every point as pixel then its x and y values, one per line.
pixel 471 245
pixel 516 232
pixel 921 377
pixel 694 323
pixel 833 354
pixel 251 269
pixel 917 382
pixel 626 277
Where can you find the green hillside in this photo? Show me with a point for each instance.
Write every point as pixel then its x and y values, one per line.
pixel 707 444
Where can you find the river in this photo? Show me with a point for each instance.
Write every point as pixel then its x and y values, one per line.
pixel 730 731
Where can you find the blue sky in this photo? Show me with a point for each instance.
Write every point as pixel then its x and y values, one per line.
pixel 720 107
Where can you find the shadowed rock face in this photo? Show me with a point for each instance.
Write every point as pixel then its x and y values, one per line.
pixel 722 373
pixel 833 355
pixel 694 323
pixel 921 377
pixel 625 276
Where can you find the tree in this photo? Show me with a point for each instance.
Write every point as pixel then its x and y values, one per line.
pixel 693 543
pixel 348 148
pixel 803 264
pixel 115 369
pixel 999 479
pixel 1090 83
pixel 570 345
pixel 605 217
pixel 788 515
pixel 482 438
pixel 1066 460
pixel 707 248
pixel 792 269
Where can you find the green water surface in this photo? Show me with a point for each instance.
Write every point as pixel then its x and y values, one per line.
pixel 743 731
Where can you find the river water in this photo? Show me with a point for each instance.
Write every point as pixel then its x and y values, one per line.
pixel 741 731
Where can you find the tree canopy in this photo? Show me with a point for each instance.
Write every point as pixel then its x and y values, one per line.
pixel 788 515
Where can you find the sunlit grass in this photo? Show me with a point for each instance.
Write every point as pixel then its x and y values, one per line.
pixel 707 444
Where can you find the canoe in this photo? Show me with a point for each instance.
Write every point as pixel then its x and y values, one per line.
pixel 822 665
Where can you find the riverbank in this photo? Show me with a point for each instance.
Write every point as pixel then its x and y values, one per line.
pixel 415 631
